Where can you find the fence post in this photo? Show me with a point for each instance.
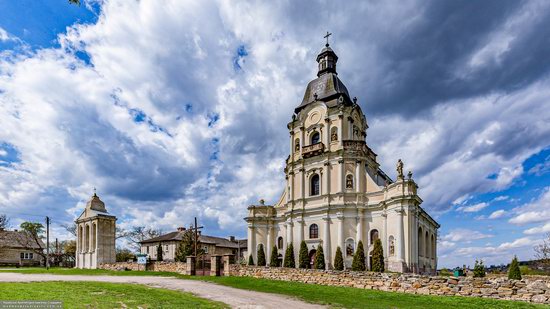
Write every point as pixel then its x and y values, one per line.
pixel 226 263
pixel 215 265
pixel 190 267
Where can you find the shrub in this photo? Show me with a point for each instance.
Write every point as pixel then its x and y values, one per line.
pixel 445 272
pixel 274 261
pixel 303 258
pixel 159 252
pixel 359 258
pixel 377 257
pixel 338 260
pixel 261 255
pixel 479 269
pixel 319 262
pixel 289 257
pixel 250 260
pixel 514 271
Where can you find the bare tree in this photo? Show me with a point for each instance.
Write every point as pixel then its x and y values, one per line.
pixel 137 234
pixel 4 222
pixel 542 252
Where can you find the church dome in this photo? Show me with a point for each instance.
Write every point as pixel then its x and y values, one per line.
pixel 327 85
pixel 96 204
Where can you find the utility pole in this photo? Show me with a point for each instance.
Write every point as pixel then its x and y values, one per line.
pixel 47 242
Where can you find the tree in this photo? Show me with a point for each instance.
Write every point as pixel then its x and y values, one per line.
pixel 137 234
pixel 33 239
pixel 542 252
pixel 303 258
pixel 186 247
pixel 159 252
pixel 377 257
pixel 274 262
pixel 513 271
pixel 261 255
pixel 124 255
pixel 290 262
pixel 358 263
pixel 4 222
pixel 319 261
pixel 250 260
pixel 338 259
pixel 76 2
pixel 479 269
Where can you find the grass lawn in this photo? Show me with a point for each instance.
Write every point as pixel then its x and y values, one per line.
pixel 103 295
pixel 336 296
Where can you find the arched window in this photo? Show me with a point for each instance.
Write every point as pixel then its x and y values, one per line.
pixel 373 236
pixel 313 231
pixel 391 245
pixel 297 145
pixel 87 239
pixel 280 243
pixel 334 134
pixel 81 235
pixel 94 232
pixel 420 246
pixel 349 181
pixel 315 138
pixel 350 247
pixel 314 188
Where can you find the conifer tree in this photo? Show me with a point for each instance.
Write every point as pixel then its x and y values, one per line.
pixel 479 269
pixel 274 261
pixel 319 262
pixel 250 260
pixel 377 257
pixel 303 258
pixel 159 253
pixel 261 255
pixel 359 258
pixel 289 257
pixel 514 272
pixel 338 259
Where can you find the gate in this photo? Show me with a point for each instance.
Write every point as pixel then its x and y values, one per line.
pixel 203 265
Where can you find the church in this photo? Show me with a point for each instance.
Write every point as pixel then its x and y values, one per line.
pixel 335 193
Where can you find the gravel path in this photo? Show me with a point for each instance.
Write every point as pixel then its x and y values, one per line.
pixel 236 298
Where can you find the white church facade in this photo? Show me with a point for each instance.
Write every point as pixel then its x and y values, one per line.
pixel 95 235
pixel 336 194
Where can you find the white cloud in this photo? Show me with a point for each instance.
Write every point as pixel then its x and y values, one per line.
pixel 473 208
pixel 535 211
pixel 497 214
pixel 538 230
pixel 501 198
pixel 464 235
pixel 4 36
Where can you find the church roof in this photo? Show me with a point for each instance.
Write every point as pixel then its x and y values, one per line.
pixel 327 85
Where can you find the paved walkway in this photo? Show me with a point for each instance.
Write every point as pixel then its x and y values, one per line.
pixel 236 298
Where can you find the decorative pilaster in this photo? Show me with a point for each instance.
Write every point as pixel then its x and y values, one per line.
pixel 342 181
pixel 357 176
pixel 326 243
pixel 268 241
pixel 340 217
pixel 300 231
pixel 359 236
pixel 400 236
pixel 252 242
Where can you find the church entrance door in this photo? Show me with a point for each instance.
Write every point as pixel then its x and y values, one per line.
pixel 312 258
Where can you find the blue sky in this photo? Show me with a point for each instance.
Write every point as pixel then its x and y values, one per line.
pixel 180 110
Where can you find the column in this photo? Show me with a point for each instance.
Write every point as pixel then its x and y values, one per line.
pixel 326 179
pixel 300 232
pixel 252 242
pixel 341 178
pixel 303 172
pixel 384 235
pixel 414 241
pixel 341 129
pixel 291 145
pixel 268 242
pixel 359 236
pixel 302 140
pixel 327 125
pixel 340 217
pixel 357 176
pixel 291 177
pixel 326 243
pixel 400 235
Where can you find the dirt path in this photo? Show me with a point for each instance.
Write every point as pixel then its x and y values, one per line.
pixel 236 298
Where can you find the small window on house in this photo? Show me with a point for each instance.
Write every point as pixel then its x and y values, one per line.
pixel 313 231
pixel 31 256
pixel 205 248
pixel 315 138
pixel 314 187
pixel 22 255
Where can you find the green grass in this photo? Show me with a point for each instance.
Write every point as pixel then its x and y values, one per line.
pixel 335 296
pixel 103 295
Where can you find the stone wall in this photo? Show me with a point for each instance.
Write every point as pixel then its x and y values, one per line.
pixel 535 289
pixel 178 267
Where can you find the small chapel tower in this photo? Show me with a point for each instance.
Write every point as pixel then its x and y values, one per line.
pixel 95 236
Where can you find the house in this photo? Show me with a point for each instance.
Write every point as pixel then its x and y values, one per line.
pixel 20 248
pixel 211 245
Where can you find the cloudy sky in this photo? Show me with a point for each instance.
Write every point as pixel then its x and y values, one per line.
pixel 179 109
